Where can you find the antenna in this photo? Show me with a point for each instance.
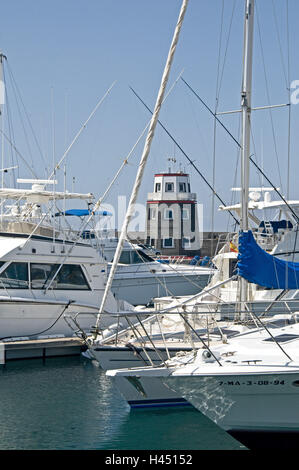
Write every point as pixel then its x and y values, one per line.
pixel 171 159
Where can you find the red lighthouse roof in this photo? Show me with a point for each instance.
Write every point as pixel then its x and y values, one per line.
pixel 171 174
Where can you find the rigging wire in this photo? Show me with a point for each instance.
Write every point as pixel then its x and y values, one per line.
pixel 22 123
pixel 286 72
pixel 239 145
pixel 183 152
pixel 218 88
pixel 215 128
pixel 10 129
pixel 268 96
pixel 17 92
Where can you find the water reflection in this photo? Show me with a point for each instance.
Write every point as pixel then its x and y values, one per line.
pixel 69 403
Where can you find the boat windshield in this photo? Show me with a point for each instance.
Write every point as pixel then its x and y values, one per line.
pixel 134 257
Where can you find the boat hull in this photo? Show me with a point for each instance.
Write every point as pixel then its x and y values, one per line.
pixel 256 403
pixel 140 392
pixel 25 318
pixel 141 290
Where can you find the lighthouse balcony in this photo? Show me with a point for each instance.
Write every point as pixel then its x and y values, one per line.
pixel 171 196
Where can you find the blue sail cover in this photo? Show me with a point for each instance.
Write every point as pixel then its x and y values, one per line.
pixel 259 267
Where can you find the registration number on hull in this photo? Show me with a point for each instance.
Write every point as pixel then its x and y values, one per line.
pixel 252 382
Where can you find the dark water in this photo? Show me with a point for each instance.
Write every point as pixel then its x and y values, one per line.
pixel 69 403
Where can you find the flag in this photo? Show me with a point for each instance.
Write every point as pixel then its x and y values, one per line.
pixel 232 247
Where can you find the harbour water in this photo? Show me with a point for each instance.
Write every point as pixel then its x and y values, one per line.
pixel 69 404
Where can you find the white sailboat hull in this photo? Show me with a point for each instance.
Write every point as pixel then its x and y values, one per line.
pixel 265 402
pixel 148 393
pixel 143 393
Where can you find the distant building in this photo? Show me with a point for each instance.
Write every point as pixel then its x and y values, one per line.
pixel 172 220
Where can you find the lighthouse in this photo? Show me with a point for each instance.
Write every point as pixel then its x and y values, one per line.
pixel 172 217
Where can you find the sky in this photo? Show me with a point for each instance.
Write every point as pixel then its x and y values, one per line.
pixel 62 56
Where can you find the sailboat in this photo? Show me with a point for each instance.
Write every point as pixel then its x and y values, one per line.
pixel 250 384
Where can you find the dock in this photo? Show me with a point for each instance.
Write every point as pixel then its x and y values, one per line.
pixel 23 348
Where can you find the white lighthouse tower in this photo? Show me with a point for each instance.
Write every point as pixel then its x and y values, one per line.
pixel 172 218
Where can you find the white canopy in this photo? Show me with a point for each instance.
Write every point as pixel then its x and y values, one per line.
pixel 40 196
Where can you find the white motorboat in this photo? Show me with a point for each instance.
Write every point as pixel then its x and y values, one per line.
pixel 140 278
pixel 46 271
pixel 140 282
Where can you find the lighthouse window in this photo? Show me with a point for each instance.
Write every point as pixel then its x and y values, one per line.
pixel 185 214
pixel 168 242
pixel 182 187
pixel 158 187
pixel 168 214
pixel 186 243
pixel 169 187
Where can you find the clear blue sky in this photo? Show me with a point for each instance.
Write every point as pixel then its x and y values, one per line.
pixel 73 50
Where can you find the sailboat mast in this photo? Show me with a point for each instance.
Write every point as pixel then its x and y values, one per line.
pixel 2 101
pixel 145 154
pixel 246 128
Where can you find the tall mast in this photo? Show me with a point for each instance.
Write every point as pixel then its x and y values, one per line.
pixel 145 154
pixel 2 101
pixel 246 129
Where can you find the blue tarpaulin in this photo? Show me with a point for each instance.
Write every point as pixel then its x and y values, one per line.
pixel 259 267
pixel 82 212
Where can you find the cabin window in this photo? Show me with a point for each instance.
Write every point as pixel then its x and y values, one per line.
pixel 158 187
pixel 68 277
pixel 125 257
pixel 15 276
pixel 169 187
pixel 140 257
pixel 182 187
